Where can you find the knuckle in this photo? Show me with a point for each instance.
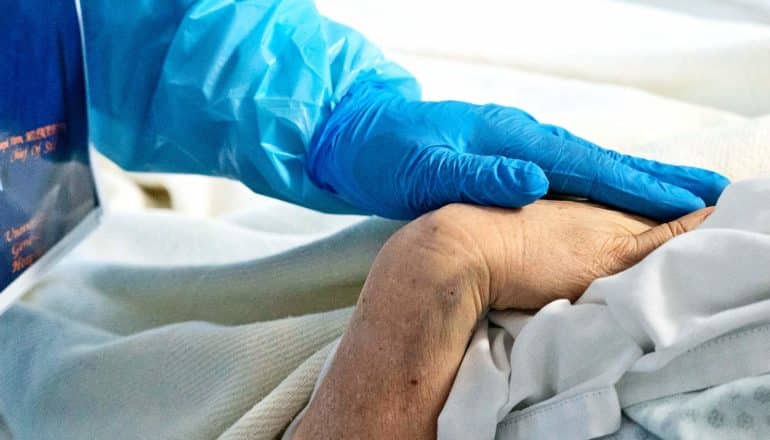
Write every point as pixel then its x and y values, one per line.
pixel 440 222
pixel 675 228
pixel 616 255
pixel 444 235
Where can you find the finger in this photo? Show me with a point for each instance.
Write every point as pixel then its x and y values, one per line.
pixel 574 169
pixel 705 184
pixel 652 239
pixel 445 176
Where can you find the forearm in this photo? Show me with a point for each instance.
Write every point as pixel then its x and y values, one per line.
pixel 232 88
pixel 396 363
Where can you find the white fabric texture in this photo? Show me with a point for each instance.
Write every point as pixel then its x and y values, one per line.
pixel 191 339
pixel 736 410
pixel 699 59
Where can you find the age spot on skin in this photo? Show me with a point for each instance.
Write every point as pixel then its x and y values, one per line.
pixel 414 382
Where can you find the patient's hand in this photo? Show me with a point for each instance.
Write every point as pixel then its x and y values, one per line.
pixel 547 250
pixel 436 277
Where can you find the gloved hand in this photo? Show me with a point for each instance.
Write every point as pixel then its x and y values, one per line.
pixel 399 158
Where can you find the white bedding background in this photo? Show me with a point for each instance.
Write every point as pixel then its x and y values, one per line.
pixel 178 324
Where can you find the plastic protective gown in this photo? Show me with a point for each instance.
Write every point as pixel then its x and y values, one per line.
pixel 223 87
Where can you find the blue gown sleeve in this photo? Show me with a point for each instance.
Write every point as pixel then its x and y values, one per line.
pixel 230 88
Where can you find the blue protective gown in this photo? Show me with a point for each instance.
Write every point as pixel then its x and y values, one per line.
pixel 230 88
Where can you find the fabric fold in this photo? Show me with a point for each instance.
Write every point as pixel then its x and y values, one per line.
pixel 692 315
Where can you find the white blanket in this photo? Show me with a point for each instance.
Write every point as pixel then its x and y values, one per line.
pixel 720 63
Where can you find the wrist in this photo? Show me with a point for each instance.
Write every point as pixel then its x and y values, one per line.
pixel 417 311
pixel 436 255
pixel 341 127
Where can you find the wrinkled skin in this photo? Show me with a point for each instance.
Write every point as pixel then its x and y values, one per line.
pixel 550 249
pixel 436 277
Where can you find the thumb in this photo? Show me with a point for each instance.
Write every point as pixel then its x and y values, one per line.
pixel 484 180
pixel 655 237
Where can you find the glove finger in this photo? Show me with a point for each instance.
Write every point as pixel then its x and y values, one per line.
pixel 572 168
pixel 446 176
pixel 705 184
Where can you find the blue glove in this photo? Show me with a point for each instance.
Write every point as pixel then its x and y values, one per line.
pixel 229 88
pixel 399 158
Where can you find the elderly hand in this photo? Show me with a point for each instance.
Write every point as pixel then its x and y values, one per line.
pixel 399 158
pixel 550 249
pixel 435 278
